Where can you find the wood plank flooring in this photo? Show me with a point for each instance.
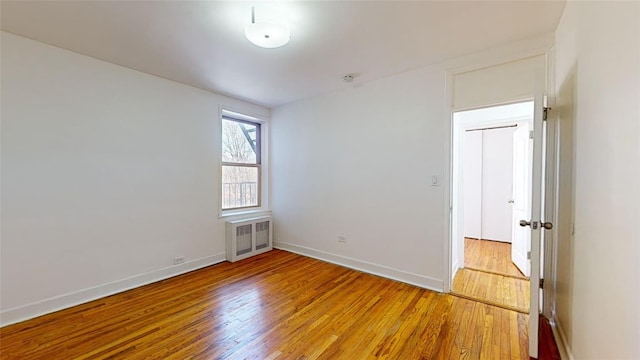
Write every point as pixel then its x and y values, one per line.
pixel 508 292
pixel 490 256
pixel 277 305
pixel 489 276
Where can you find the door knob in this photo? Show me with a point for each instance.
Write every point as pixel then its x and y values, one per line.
pixel 533 224
pixel 511 201
pixel 547 225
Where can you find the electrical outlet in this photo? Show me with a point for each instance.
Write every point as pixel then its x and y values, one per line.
pixel 342 239
pixel 179 260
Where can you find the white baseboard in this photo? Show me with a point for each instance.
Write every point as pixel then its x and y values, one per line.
pixel 364 266
pixel 46 306
pixel 561 341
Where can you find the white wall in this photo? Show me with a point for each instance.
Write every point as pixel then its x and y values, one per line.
pixel 107 175
pixel 496 84
pixel 472 184
pixel 598 87
pixel 358 163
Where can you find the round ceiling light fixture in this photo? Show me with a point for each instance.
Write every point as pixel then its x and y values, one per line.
pixel 268 31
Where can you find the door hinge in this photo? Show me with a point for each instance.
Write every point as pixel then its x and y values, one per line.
pixel 528 255
pixel 541 283
pixel 531 134
pixel 545 107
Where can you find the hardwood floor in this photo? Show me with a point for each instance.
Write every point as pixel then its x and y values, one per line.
pixel 490 256
pixel 277 305
pixel 489 276
pixel 508 292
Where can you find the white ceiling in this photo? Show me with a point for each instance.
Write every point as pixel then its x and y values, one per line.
pixel 202 43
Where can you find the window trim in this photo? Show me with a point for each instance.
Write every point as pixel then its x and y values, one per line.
pixel 259 148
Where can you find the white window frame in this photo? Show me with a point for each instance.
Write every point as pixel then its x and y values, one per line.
pixel 263 168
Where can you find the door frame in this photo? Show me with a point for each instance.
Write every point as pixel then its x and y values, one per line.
pixel 549 257
pixel 542 49
pixel 548 267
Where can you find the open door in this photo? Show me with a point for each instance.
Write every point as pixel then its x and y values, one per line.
pixel 535 223
pixel 521 198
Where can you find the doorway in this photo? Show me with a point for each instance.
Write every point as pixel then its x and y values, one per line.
pixel 492 161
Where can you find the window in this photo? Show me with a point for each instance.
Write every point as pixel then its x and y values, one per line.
pixel 241 164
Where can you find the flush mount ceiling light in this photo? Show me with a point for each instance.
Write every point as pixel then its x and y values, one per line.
pixel 268 31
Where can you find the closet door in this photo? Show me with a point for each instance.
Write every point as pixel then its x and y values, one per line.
pixel 472 183
pixel 497 179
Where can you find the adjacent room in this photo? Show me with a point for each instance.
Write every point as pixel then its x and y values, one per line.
pixel 319 179
pixel 492 158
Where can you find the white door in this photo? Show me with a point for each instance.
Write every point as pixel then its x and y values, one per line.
pixel 521 237
pixel 534 222
pixel 497 184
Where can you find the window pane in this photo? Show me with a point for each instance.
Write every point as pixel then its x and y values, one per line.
pixel 239 186
pixel 239 142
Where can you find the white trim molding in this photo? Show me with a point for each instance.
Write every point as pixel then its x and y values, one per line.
pixel 422 281
pixel 561 341
pixel 56 303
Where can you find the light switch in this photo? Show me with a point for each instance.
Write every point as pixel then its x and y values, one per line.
pixel 435 181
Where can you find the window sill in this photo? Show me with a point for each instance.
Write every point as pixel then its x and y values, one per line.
pixel 240 213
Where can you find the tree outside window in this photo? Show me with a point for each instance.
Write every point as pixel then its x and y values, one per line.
pixel 240 164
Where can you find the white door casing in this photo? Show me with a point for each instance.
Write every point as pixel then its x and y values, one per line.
pixel 521 237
